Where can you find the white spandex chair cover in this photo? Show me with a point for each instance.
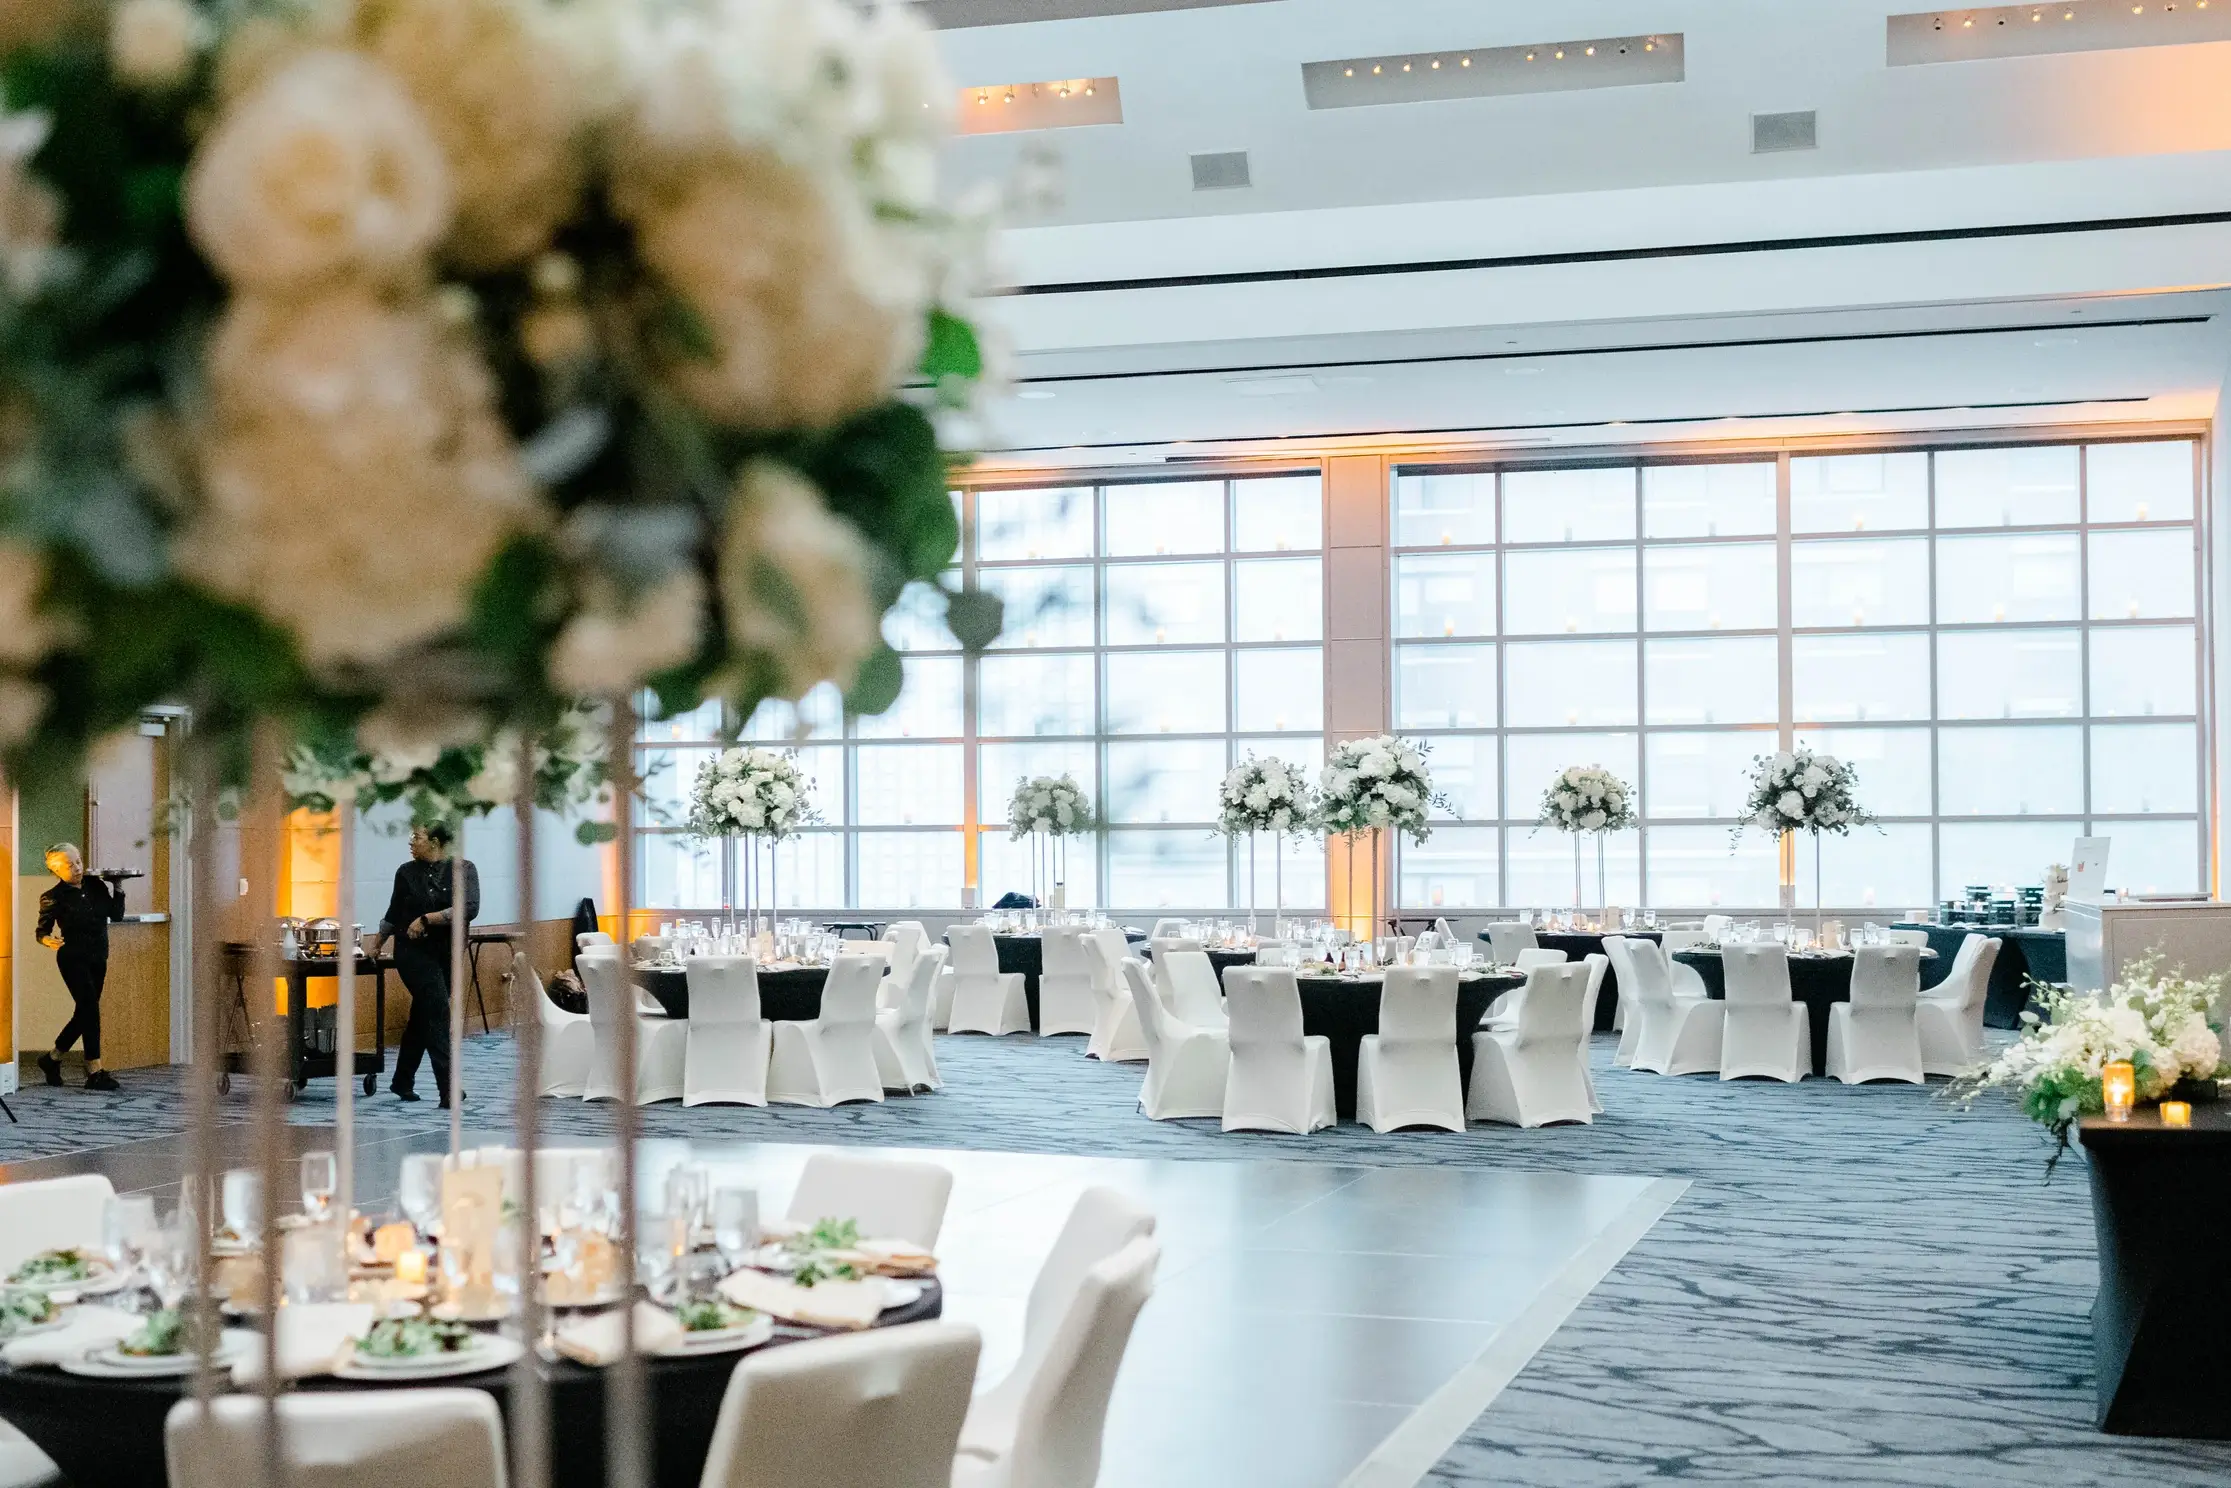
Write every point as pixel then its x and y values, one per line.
pixel 1116 1037
pixel 1679 1035
pixel 1101 1223
pixel 587 938
pixel 1506 938
pixel 342 1439
pixel 876 1409
pixel 1162 945
pixel 1165 928
pixel 52 1214
pixel 1406 1073
pixel 893 1199
pixel 831 1059
pixel 1536 1071
pixel 1065 1001
pixel 1185 1066
pixel 1716 926
pixel 905 1049
pixel 908 940
pixel 1527 960
pixel 729 1043
pixel 1281 1079
pixel 1193 992
pixel 1949 1015
pixel 568 1042
pixel 22 1464
pixel 1762 1031
pixel 1063 1413
pixel 661 1044
pixel 1875 1036
pixel 985 999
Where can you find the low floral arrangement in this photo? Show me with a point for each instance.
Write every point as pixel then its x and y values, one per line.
pixel 1381 783
pixel 441 360
pixel 1587 798
pixel 1053 804
pixel 2158 1021
pixel 1263 795
pixel 1800 791
pixel 750 792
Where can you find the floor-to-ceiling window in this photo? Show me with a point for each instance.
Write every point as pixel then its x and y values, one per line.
pixel 2002 639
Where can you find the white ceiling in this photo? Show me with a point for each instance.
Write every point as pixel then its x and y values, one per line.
pixel 1368 270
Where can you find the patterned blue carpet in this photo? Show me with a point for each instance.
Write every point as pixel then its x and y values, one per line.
pixel 1861 1286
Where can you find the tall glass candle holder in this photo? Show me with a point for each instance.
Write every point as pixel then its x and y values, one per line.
pixel 2118 1089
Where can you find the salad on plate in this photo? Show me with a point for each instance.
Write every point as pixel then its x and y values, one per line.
pixel 64 1267
pixel 26 1311
pixel 414 1340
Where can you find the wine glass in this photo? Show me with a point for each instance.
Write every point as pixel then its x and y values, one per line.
pixel 421 1194
pixel 169 1257
pixel 687 1189
pixel 127 1229
pixel 241 1202
pixel 735 1224
pixel 320 1181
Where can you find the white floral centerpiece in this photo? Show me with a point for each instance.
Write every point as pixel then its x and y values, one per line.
pixel 1803 791
pixel 1374 786
pixel 760 795
pixel 1587 799
pixel 2157 1021
pixel 1049 810
pixel 1264 795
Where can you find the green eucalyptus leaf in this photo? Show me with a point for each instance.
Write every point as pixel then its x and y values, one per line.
pixel 953 350
pixel 876 686
pixel 975 617
pixel 591 833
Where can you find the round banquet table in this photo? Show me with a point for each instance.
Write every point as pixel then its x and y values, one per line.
pixel 1344 1009
pixel 1578 945
pixel 108 1433
pixel 1819 982
pixel 790 996
pixel 2024 952
pixel 1027 954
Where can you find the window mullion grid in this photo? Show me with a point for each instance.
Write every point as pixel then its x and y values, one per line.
pixel 972 696
pixel 2084 620
pixel 1936 704
pixel 1642 704
pixel 1502 702
pixel 1785 649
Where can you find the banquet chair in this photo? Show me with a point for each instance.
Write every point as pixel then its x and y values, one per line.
pixel 1116 1038
pixel 341 1439
pixel 1193 992
pixel 1062 1414
pixel 1065 1002
pixel 828 1060
pixel 891 1198
pixel 1163 929
pixel 906 940
pixel 568 1042
pixel 589 938
pixel 1679 1035
pixel 1185 1066
pixel 875 1409
pixel 51 1214
pixel 1686 983
pixel 1281 1078
pixel 1876 1035
pixel 1716 927
pixel 1161 946
pixel 651 947
pixel 1916 938
pixel 1950 1014
pixel 729 1043
pixel 1536 1071
pixel 1529 962
pixel 985 999
pixel 22 1464
pixel 1599 970
pixel 905 1050
pixel 661 1043
pixel 1538 956
pixel 1506 938
pixel 1406 1073
pixel 1763 1031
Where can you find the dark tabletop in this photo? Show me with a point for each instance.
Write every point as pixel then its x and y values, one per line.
pixel 108 1433
pixel 1344 1010
pixel 1027 954
pixel 2024 952
pixel 1819 982
pixel 1579 945
pixel 784 996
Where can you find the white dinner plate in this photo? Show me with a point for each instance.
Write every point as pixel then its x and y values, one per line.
pixel 721 1340
pixel 105 1279
pixel 901 1293
pixel 106 1362
pixel 487 1351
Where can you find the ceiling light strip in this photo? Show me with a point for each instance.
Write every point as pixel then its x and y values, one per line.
pixel 1996 31
pixel 1490 72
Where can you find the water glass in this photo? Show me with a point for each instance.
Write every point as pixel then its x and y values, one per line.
pixel 127 1229
pixel 312 1266
pixel 735 1224
pixel 240 1202
pixel 320 1181
pixel 421 1194
pixel 687 1189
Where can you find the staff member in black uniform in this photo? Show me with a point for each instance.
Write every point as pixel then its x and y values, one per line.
pixel 73 923
pixel 417 921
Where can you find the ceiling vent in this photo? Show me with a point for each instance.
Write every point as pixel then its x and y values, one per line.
pixel 1222 170
pixel 1010 108
pixel 1773 132
pixel 1490 72
pixel 953 15
pixel 2039 30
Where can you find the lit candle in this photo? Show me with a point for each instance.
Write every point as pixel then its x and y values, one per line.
pixel 410 1266
pixel 2176 1113
pixel 2118 1087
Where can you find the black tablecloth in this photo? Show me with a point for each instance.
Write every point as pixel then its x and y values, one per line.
pixel 784 996
pixel 1819 982
pixel 107 1433
pixel 1344 1011
pixel 2023 953
pixel 1578 945
pixel 1027 954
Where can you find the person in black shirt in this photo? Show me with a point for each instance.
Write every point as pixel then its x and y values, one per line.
pixel 73 923
pixel 418 919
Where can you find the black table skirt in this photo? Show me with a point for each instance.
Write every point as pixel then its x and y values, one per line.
pixel 784 996
pixel 2023 953
pixel 1345 1011
pixel 1027 954
pixel 106 1433
pixel 1819 982
pixel 1579 946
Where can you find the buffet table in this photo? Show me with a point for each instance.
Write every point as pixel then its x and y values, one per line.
pixel 1818 979
pixel 2024 952
pixel 1345 1008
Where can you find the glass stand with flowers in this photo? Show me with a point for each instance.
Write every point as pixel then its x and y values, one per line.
pixel 1263 795
pixel 1587 799
pixel 752 795
pixel 1049 810
pixel 1803 791
pixel 1374 786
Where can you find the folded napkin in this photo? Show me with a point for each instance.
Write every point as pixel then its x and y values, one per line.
pixel 898 1257
pixel 596 1340
pixel 83 1328
pixel 832 1304
pixel 311 1338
